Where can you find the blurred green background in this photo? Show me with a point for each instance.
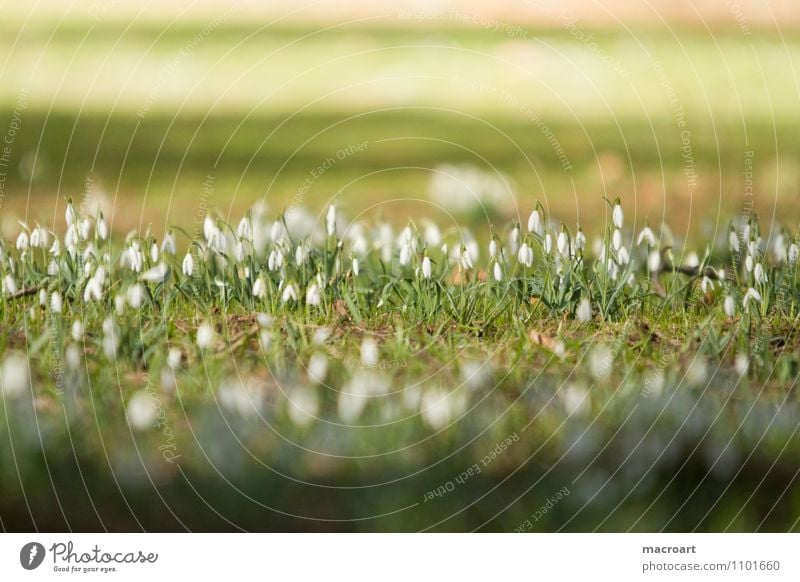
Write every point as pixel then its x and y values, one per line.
pixel 137 107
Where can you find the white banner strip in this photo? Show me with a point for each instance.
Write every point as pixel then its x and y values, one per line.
pixel 400 557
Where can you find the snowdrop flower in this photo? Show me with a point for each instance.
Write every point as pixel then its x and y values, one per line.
pixel 206 336
pixel 548 243
pixel 622 256
pixel 313 295
pixel 330 220
pixel 73 357
pixel 369 352
pixel 535 224
pixel 617 215
pixel 55 248
pixel 321 335
pixel 353 398
pixel 15 375
pixel 580 240
pixel 525 255
pixel 9 285
pixel 759 274
pixel 39 238
pixel 355 266
pixel 584 311
pixel 155 274
pixel 706 285
pixel 741 364
pixel 303 406
pixel 237 397
pixel 613 270
pixel 692 260
pixel 141 411
pixel 465 259
pixel 601 360
pixel 22 241
pixel 238 252
pixel 244 230
pixel 426 267
pixel 697 372
pixel 753 295
pixel 646 236
pixel 110 346
pixel 300 255
pixel 84 228
pixel 289 293
pixel 70 215
pixel 498 272
pixel 188 264
pixel 748 263
pixel 576 399
pixel 616 239
pixel 259 288
pixel 77 330
pixel 42 297
pixel 154 253
pixel 119 304
pixel 318 367
pixel 93 290
pixel 513 240
pixel 101 228
pixel 562 243
pixel 135 295
pixel 405 255
pixel 439 408
pixel 174 357
pixel 733 241
pixel 56 304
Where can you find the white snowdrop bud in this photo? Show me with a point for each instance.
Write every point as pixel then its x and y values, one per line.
pixel 355 266
pixel 135 295
pixel 617 215
pixel 706 285
pixel 369 352
pixel 426 267
pixel 525 255
pixel 168 245
pixel 794 253
pixel 759 273
pixel 259 288
pixel 580 240
pixel 56 304
pixel 692 260
pixel 313 295
pixel 318 367
pixel 748 263
pixel 174 357
pixel 188 265
pixel 289 293
pixel 22 241
pixel 77 330
pixel 741 364
pixel 330 220
pixel 154 253
pixel 42 297
pixel 405 255
pixel 73 357
pixel 733 241
pixel 141 411
pixel 751 295
pixel 616 239
pixel 548 243
pixel 498 272
pixel 535 223
pixel 646 236
pixel 244 230
pixel 15 375
pixel 206 336
pixel 562 243
pixel 622 256
pixel 492 248
pixel 584 311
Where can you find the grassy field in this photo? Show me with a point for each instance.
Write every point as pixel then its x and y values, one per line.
pixel 358 381
pixel 146 111
pixel 431 357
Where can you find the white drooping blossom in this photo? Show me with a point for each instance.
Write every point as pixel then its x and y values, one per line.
pixel 646 236
pixel 245 229
pixel 289 293
pixel 535 223
pixel 426 267
pixel 616 239
pixel 525 255
pixel 188 264
pixel 548 243
pixel 513 240
pixel 580 240
pixel 617 215
pixel 465 258
pixel 330 220
pixel 355 266
pixel 174 358
pixel 15 375
pixel 77 330
pixel 22 241
pixel 39 238
pixel 141 411
pixel 313 295
pixel 56 303
pixel 793 253
pixel 498 272
pixel 492 248
pixel 706 285
pixel 206 336
pixel 9 285
pixel 562 244
pixel 101 227
pixel 759 274
pixel 751 295
pixel 259 288
pixel 405 255
pixel 155 274
pixel 135 295
pixel 584 311
pixel 318 367
pixel 733 241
